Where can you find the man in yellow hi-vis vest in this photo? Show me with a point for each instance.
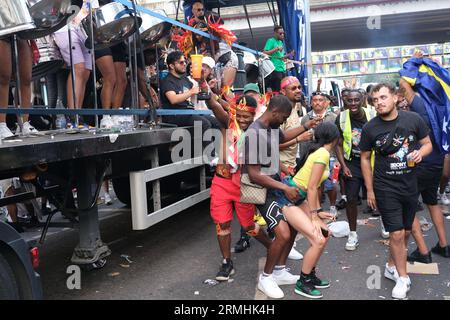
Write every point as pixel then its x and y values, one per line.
pixel 350 123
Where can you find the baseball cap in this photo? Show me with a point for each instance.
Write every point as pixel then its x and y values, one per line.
pixel 209 62
pixel 251 87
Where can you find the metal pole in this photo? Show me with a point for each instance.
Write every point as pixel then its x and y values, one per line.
pixel 308 60
pixel 72 75
pixel 18 97
pixel 130 68
pixel 94 75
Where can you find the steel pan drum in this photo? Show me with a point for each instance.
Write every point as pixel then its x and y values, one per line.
pixel 113 23
pixel 266 68
pixel 50 59
pixel 14 17
pixel 153 29
pixel 249 58
pixel 49 16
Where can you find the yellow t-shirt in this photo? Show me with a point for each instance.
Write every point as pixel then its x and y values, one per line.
pixel 303 175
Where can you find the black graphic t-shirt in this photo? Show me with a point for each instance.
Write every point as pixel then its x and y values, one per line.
pixel 355 158
pixel 391 173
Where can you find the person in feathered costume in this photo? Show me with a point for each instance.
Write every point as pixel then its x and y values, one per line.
pixel 226 59
pixel 225 189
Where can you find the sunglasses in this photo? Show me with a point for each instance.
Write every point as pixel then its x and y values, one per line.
pixel 183 62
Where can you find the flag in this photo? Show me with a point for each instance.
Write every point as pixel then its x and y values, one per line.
pixel 432 82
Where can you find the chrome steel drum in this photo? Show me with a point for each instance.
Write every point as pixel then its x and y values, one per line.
pixel 249 58
pixel 113 23
pixel 14 17
pixel 266 67
pixel 153 29
pixel 50 59
pixel 49 16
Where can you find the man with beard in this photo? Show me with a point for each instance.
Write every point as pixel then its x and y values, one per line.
pixel 292 89
pixel 392 186
pixel 350 123
pixel 177 91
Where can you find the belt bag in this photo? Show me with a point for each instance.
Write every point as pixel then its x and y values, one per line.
pixel 250 192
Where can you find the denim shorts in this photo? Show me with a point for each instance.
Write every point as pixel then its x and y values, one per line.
pixel 283 200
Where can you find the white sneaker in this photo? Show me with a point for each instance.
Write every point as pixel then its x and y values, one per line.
pixel 107 198
pixel 443 199
pixel 28 129
pixel 391 273
pixel 106 122
pixel 285 277
pixel 269 287
pixel 402 286
pixel 352 242
pixel 4 131
pixel 294 254
pixel 384 233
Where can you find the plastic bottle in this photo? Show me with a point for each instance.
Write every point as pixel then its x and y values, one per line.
pixel 335 173
pixel 60 122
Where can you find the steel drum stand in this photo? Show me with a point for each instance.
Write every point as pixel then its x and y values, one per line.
pixel 94 75
pixel 73 76
pixel 141 57
pixel 18 97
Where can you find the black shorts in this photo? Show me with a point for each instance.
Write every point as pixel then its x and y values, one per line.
pixel 428 180
pixel 118 52
pixel 397 211
pixel 271 210
pixel 352 187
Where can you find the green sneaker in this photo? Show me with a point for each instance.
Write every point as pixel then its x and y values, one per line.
pixel 306 288
pixel 318 283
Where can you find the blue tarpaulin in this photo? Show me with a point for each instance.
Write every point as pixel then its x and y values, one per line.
pixel 291 12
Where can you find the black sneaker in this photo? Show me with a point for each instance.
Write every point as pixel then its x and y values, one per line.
pixel 442 251
pixel 242 244
pixel 226 270
pixel 306 288
pixel 318 283
pixel 341 204
pixel 416 256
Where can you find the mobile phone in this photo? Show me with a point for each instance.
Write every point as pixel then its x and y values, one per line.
pixel 324 232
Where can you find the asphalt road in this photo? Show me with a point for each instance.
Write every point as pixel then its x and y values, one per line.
pixel 172 260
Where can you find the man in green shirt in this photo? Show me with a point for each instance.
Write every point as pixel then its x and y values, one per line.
pixel 275 49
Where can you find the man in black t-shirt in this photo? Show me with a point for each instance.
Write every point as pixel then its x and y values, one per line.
pixel 350 123
pixel 176 93
pixel 394 136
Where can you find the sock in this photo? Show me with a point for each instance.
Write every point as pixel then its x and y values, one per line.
pixel 225 261
pixel 266 274
pixel 344 197
pixel 278 269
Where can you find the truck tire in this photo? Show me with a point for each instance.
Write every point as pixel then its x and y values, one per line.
pixel 121 187
pixel 8 288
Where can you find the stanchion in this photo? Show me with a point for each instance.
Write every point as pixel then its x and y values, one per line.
pixel 18 97
pixel 94 75
pixel 73 75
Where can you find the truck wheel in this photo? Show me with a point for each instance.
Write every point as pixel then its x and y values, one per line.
pixel 8 288
pixel 121 187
